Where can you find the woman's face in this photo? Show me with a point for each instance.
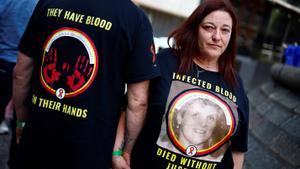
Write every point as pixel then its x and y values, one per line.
pixel 197 124
pixel 214 34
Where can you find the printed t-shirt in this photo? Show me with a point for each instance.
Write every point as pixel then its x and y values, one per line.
pixel 84 52
pixel 194 120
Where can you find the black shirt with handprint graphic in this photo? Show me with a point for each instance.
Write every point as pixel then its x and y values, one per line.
pixel 84 53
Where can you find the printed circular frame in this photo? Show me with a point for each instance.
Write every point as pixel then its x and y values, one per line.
pixel 90 48
pixel 179 101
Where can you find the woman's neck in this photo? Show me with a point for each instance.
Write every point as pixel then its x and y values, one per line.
pixel 210 65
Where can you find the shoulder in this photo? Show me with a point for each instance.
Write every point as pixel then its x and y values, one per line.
pixel 167 61
pixel 4 5
pixel 240 85
pixel 24 10
pixel 133 19
pixel 166 55
pixel 241 94
pixel 16 8
pixel 130 9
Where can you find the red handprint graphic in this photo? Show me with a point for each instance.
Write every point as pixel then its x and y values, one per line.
pixel 49 71
pixel 82 72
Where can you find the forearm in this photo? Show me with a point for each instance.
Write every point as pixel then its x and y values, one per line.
pixel 118 159
pixel 134 123
pixel 135 112
pixel 238 159
pixel 119 142
pixel 21 84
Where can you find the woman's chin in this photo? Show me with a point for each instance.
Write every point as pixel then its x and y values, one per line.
pixel 197 142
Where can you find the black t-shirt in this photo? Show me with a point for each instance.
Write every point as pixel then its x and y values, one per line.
pixel 84 52
pixel 194 120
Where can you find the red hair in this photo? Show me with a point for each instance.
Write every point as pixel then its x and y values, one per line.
pixel 186 46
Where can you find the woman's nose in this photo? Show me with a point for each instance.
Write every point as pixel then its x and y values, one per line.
pixel 216 35
pixel 202 122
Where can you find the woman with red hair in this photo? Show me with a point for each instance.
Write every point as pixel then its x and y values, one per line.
pixel 198 64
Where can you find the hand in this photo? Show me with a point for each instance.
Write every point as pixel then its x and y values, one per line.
pixel 126 157
pixel 49 71
pixel 9 109
pixel 19 132
pixel 81 73
pixel 119 162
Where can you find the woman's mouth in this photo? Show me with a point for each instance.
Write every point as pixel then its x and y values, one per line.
pixel 199 131
pixel 214 45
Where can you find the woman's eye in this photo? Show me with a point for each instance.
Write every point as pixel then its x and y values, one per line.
pixel 225 31
pixel 211 118
pixel 195 115
pixel 209 28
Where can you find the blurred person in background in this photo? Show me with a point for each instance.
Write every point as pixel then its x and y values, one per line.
pixel 14 16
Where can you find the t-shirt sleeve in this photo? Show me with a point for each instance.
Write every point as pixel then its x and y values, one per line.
pixel 142 63
pixel 29 40
pixel 240 139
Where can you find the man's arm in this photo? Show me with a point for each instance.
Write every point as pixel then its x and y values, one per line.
pixel 118 161
pixel 238 159
pixel 135 114
pixel 21 87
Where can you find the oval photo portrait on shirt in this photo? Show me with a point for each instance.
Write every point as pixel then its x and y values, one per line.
pixel 199 122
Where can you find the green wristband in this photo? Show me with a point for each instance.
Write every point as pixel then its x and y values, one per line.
pixel 117 153
pixel 20 124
